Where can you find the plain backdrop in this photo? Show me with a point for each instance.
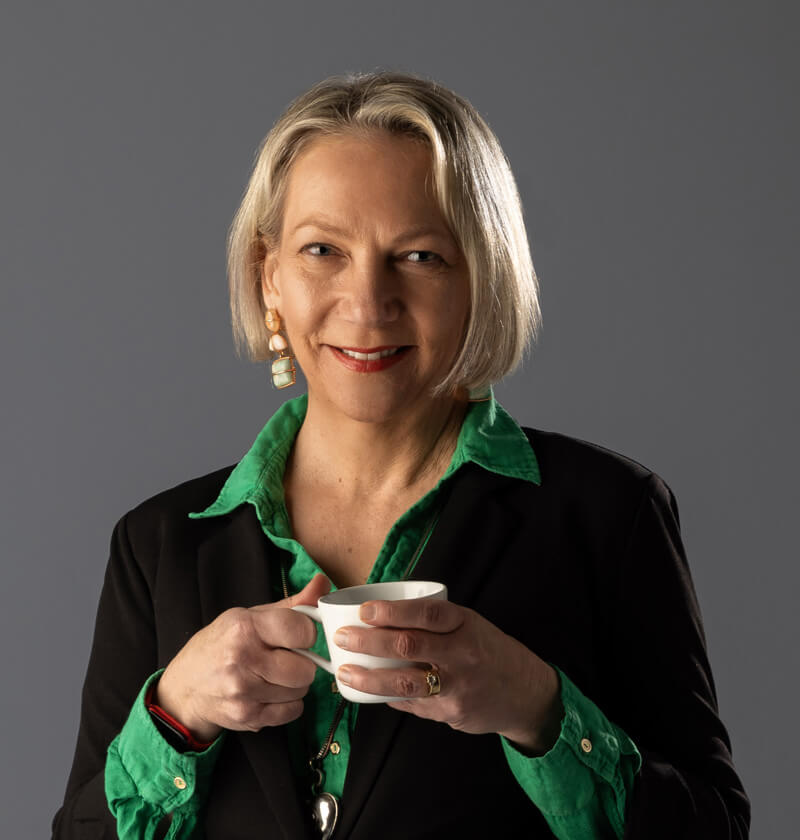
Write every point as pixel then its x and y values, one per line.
pixel 655 146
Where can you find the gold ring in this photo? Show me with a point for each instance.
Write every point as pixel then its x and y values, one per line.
pixel 433 681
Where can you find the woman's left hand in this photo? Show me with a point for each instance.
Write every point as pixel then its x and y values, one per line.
pixel 489 681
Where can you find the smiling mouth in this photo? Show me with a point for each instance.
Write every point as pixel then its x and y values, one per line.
pixel 370 359
pixel 370 355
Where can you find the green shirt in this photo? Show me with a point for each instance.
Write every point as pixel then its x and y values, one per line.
pixel 581 793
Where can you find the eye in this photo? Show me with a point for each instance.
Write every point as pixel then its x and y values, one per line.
pixel 325 250
pixel 424 257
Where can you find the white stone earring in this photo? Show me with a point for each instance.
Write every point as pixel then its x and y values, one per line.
pixel 283 369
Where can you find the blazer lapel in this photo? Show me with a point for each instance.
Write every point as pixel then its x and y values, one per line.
pixel 473 526
pixel 234 571
pixel 447 558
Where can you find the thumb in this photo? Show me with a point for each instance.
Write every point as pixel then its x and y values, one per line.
pixel 318 586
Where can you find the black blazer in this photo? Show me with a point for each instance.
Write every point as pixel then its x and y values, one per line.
pixel 588 570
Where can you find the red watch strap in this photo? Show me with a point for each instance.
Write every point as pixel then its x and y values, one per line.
pixel 175 725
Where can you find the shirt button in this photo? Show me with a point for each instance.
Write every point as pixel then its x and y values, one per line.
pixel 334 687
pixel 586 745
pixel 179 783
pixel 335 748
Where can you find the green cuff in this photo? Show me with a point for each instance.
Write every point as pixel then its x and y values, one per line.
pixel 142 765
pixel 591 767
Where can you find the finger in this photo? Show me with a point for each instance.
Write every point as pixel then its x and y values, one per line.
pixel 280 627
pixel 264 692
pixel 390 643
pixel 248 693
pixel 276 714
pixel 253 716
pixel 318 586
pixel 416 706
pixel 432 614
pixel 423 707
pixel 408 683
pixel 284 668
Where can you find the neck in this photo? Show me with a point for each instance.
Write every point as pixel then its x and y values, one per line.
pixel 366 459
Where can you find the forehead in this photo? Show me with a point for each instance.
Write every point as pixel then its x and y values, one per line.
pixel 365 181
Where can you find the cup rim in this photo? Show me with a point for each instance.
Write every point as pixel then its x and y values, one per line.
pixel 355 598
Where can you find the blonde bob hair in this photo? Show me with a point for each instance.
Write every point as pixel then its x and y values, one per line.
pixel 472 182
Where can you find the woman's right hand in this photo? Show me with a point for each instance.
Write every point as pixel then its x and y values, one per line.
pixel 238 674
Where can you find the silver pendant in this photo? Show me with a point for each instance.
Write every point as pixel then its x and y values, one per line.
pixel 325 813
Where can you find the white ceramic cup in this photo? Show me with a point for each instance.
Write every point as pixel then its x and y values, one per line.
pixel 340 609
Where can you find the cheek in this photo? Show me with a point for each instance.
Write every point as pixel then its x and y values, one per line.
pixel 303 314
pixel 298 300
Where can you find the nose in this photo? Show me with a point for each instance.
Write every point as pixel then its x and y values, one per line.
pixel 370 291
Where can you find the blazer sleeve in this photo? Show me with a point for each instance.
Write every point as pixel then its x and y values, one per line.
pixel 662 690
pixel 123 656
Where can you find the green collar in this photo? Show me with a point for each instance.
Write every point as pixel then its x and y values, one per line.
pixel 489 437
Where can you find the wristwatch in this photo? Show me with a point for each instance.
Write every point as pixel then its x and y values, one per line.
pixel 173 731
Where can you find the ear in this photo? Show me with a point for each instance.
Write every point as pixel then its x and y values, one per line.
pixel 269 288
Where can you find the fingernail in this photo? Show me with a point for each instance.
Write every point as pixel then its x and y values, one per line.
pixel 340 638
pixel 344 675
pixel 367 612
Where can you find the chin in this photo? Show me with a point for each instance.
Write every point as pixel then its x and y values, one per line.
pixel 373 408
pixel 371 402
pixel 373 398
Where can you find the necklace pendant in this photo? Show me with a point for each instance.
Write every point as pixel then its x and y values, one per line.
pixel 325 813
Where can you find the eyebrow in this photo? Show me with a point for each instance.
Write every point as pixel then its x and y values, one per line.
pixel 331 227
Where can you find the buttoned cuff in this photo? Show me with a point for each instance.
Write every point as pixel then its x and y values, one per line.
pixel 141 765
pixel 591 767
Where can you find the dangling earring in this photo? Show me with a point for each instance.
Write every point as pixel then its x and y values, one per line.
pixel 283 369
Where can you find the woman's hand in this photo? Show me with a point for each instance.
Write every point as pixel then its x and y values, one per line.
pixel 489 681
pixel 237 674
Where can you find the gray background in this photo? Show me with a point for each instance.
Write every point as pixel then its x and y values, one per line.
pixel 655 146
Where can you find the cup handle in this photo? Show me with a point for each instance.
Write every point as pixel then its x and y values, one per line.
pixel 312 612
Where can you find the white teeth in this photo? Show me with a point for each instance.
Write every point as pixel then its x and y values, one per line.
pixel 369 357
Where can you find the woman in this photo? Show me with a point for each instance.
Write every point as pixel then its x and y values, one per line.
pixel 566 690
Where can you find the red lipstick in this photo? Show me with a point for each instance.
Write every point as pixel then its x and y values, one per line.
pixel 364 365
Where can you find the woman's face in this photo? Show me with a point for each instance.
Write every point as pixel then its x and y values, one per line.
pixel 370 283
